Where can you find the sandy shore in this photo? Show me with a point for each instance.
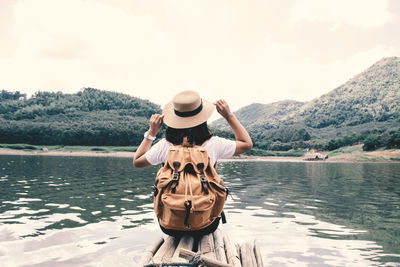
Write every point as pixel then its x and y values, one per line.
pixel 5 151
pixel 374 156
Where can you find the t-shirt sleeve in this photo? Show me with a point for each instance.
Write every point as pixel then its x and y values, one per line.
pixel 222 148
pixel 157 154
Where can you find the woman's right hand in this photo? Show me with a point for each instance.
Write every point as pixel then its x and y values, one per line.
pixel 223 108
pixel 156 121
pixel 243 139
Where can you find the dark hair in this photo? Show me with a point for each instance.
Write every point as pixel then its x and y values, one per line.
pixel 196 135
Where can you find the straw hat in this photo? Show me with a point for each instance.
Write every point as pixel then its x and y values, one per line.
pixel 187 110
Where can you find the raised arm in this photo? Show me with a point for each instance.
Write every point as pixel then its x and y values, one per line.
pixel 139 159
pixel 243 139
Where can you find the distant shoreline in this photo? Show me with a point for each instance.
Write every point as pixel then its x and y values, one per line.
pixel 123 154
pixel 16 152
pixel 392 155
pixel 119 154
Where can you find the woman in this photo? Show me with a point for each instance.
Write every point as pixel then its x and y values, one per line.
pixel 186 119
pixel 186 116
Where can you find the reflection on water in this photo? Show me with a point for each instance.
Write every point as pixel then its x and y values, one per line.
pixel 98 211
pixel 336 214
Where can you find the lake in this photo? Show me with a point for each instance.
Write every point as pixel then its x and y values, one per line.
pixel 83 211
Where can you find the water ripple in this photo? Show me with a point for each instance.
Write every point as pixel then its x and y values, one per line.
pixel 303 214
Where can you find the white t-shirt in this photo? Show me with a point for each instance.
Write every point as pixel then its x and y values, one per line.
pixel 217 148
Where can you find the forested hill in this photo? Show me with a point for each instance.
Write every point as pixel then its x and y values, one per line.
pixel 365 109
pixel 257 113
pixel 369 101
pixel 372 96
pixel 89 117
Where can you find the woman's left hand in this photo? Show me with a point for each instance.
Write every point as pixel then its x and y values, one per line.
pixel 156 121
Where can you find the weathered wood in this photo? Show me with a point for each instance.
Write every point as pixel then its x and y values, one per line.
pixel 238 251
pixel 203 260
pixel 186 242
pixel 219 246
pixel 165 252
pixel 150 250
pixel 257 253
pixel 206 246
pixel 247 255
pixel 215 249
pixel 231 253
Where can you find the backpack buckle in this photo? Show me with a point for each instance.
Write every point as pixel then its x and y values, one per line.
pixel 175 178
pixel 174 182
pixel 204 184
pixel 188 207
pixel 155 189
pixel 203 178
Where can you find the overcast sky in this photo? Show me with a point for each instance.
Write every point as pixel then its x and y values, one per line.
pixel 243 51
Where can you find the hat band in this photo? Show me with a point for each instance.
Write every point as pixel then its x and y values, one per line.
pixel 189 113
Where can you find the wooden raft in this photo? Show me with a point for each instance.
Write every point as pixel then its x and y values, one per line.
pixel 211 250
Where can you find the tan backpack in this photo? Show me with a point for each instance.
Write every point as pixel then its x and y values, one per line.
pixel 189 194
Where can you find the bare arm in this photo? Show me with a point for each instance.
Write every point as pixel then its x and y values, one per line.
pixel 139 159
pixel 243 139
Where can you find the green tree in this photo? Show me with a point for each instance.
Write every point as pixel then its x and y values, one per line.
pixel 372 142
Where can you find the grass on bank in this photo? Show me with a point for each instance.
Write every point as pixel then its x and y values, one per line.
pixel 346 150
pixel 357 154
pixel 270 153
pixel 104 149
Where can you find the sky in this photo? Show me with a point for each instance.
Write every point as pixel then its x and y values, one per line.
pixel 248 51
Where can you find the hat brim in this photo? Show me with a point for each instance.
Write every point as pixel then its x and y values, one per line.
pixel 174 121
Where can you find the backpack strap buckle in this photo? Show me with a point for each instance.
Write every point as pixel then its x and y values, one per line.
pixel 175 178
pixel 203 179
pixel 155 189
pixel 188 207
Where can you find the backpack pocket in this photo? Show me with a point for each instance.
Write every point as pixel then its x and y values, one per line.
pixel 175 212
pixel 221 194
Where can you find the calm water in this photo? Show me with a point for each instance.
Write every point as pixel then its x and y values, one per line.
pixel 70 211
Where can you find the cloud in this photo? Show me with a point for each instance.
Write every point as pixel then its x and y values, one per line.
pixel 357 13
pixel 223 49
pixel 7 38
pixel 276 75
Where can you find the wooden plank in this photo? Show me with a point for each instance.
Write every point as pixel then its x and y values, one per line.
pixel 257 253
pixel 247 255
pixel 238 251
pixel 253 256
pixel 186 242
pixel 165 252
pixel 219 246
pixel 150 251
pixel 206 246
pixel 203 260
pixel 231 253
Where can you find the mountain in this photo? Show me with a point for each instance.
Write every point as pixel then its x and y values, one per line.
pixel 89 117
pixel 373 95
pixel 256 113
pixel 370 100
pixel 364 109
